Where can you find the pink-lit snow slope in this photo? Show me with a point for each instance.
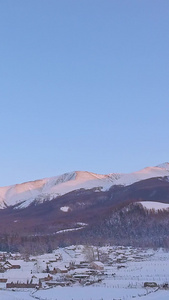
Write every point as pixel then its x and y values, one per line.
pixel 46 189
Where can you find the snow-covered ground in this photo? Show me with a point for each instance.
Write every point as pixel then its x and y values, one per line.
pixel 154 205
pixel 86 293
pixel 46 189
pixel 123 276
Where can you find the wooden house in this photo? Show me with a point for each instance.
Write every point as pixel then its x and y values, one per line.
pixel 97 265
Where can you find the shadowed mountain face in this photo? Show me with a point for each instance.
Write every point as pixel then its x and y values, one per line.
pixel 81 206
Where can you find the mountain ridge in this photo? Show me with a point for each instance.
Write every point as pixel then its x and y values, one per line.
pixel 83 207
pixel 45 189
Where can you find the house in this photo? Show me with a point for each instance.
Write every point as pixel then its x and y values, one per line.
pixel 150 284
pixel 27 283
pixel 97 265
pixel 21 285
pixel 16 256
pixel 7 265
pixel 57 257
pixel 56 283
pixel 3 280
pixel 15 267
pixel 59 269
pixel 81 276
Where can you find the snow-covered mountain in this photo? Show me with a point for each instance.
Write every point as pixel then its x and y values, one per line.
pixel 84 207
pixel 42 190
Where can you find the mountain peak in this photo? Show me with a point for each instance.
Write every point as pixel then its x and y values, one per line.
pixel 49 188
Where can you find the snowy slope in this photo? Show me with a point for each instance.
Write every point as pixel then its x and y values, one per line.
pixel 48 188
pixel 146 173
pixel 154 205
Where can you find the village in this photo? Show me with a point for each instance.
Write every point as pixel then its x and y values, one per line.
pixel 115 267
pixel 60 268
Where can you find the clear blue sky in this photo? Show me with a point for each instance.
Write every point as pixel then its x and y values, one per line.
pixel 84 86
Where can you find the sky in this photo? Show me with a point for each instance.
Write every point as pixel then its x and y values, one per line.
pixel 84 86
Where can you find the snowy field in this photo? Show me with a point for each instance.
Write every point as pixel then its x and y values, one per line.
pixel 86 293
pixel 125 270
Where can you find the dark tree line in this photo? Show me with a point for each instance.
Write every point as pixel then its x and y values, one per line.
pixel 131 225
